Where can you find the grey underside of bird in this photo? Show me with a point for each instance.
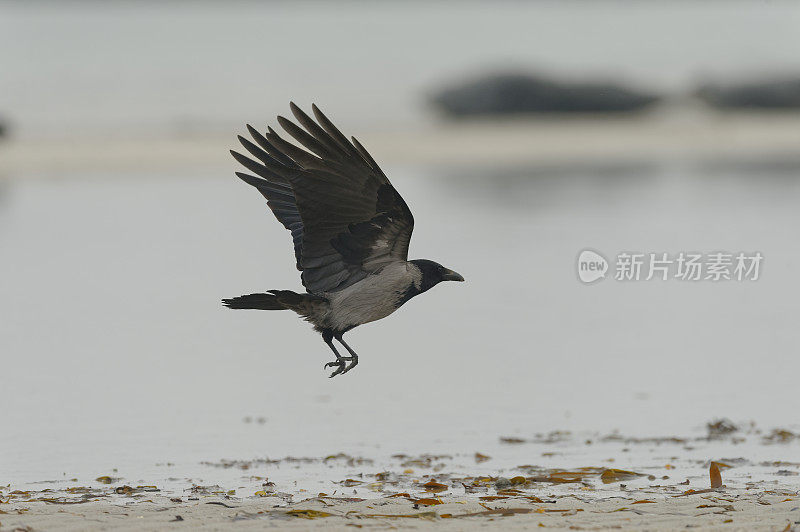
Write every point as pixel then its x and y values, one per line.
pixel 350 228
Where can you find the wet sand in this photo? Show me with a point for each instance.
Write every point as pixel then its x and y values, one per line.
pixel 645 483
pixel 724 509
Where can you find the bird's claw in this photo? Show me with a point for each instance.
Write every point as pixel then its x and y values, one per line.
pixel 341 366
pixel 339 370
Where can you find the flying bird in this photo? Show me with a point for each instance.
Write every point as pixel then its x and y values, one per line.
pixel 351 230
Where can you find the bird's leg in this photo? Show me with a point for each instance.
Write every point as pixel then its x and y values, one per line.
pixel 353 356
pixel 340 361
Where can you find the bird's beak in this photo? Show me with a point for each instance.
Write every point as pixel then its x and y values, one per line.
pixel 450 275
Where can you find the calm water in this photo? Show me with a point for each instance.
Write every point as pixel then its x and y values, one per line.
pixel 145 68
pixel 117 353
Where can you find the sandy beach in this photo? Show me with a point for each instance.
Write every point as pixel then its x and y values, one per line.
pixel 723 509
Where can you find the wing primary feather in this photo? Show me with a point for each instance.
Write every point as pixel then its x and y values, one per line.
pixel 367 157
pixel 257 152
pixel 262 170
pixel 301 136
pixel 316 131
pixel 257 182
pixel 272 150
pixel 303 158
pixel 278 194
pixel 332 130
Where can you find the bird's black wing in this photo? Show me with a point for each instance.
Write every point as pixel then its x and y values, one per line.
pixel 351 219
pixel 275 188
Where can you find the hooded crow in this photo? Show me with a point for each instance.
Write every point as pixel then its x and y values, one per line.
pixel 350 228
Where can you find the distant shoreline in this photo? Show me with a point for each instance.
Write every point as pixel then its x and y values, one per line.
pixel 661 135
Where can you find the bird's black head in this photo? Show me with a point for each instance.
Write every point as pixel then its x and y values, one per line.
pixel 434 273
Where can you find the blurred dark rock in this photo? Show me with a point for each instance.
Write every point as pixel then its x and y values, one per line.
pixel 3 128
pixel 502 482
pixel 719 428
pixel 772 94
pixel 509 94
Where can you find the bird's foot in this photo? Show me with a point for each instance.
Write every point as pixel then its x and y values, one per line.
pixel 341 365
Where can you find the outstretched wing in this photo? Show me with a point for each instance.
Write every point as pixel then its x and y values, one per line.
pixel 346 218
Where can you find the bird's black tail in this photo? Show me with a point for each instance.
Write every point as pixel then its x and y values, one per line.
pixel 255 302
pixel 277 300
